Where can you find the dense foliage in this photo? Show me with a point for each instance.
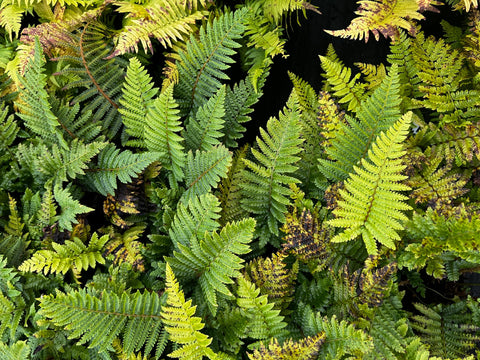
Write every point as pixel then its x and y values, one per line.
pixel 136 222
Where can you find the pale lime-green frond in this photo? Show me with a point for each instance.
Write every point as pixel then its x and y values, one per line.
pixel 371 204
pixel 181 324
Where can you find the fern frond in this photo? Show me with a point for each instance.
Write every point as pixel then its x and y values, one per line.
pixel 73 255
pixel 215 259
pixel 341 338
pixel 437 240
pixel 371 205
pixel 203 63
pixel 125 248
pixel 329 117
pixel 99 320
pixel 384 17
pixel 181 324
pixel 8 130
pixel 204 131
pixel 98 81
pixel 14 240
pixel 193 219
pixel 165 21
pixel 17 351
pixel 344 86
pixel 138 92
pixel 11 18
pixel 273 279
pixel 304 349
pixel 436 186
pixel 69 206
pixel 354 138
pixel 35 110
pixel 204 170
pixel 61 164
pixel 265 191
pixel 265 322
pixel 230 189
pixel 239 101
pixel 113 164
pixel 162 128
pixel 374 74
pixel 446 328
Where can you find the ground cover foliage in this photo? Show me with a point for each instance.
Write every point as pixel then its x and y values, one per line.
pixel 136 222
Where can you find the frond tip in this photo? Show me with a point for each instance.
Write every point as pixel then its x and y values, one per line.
pixel 371 205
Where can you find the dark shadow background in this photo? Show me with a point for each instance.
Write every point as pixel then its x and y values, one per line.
pixel 307 40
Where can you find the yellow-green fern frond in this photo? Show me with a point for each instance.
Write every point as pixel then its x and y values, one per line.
pixel 166 21
pixel 181 324
pixel 371 205
pixel 126 248
pixel 385 17
pixel 73 255
pixel 304 349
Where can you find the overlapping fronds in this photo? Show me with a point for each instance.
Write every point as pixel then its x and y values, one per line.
pixel 264 321
pixel 204 170
pixel 73 255
pixel 8 130
pixel 97 81
pixel 443 245
pixel 205 129
pixel 17 351
pixel 99 319
pixel 126 247
pixel 193 219
pixel 35 110
pixel 181 324
pixel 113 164
pixel 265 191
pixel 385 17
pixel 448 329
pixel 214 260
pixel 69 206
pixel 202 64
pixel 353 139
pixel 345 87
pixel 138 94
pixel 371 204
pixel 162 128
pixel 166 21
pixel 304 349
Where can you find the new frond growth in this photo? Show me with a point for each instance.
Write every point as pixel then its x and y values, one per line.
pixel 304 349
pixel 371 204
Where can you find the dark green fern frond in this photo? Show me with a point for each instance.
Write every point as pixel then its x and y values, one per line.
pixel 8 131
pixel 273 279
pixel 304 349
pixel 73 255
pixel 239 101
pixel 204 170
pixel 202 65
pixel 371 205
pixel 69 207
pixel 204 130
pixel 98 81
pixel 265 191
pixel 344 86
pixel 181 324
pixel 448 329
pixel 354 138
pixel 193 219
pixel 214 260
pixel 265 322
pixel 14 239
pixel 35 110
pixel 138 92
pixel 162 133
pixel 165 21
pixel 385 17
pixel 113 164
pixel 230 189
pixel 98 320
